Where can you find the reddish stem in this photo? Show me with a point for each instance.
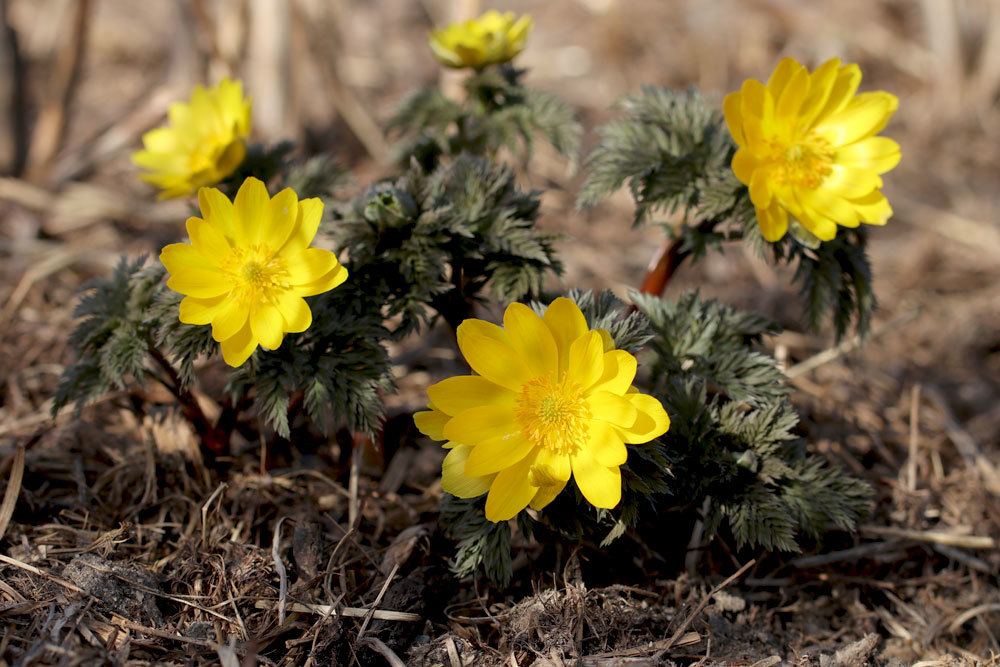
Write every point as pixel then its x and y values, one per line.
pixel 662 266
pixel 214 437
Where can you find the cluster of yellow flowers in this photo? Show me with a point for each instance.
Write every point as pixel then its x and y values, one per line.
pixel 249 262
pixel 549 398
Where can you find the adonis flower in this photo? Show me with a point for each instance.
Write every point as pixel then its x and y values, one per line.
pixel 248 266
pixel 550 398
pixel 488 40
pixel 808 150
pixel 204 142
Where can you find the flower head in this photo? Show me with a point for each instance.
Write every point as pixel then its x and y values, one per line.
pixel 808 150
pixel 204 142
pixel 550 398
pixel 488 40
pixel 248 266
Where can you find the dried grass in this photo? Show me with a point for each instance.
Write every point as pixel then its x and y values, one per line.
pixel 122 547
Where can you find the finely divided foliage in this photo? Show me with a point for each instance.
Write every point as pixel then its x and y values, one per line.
pixel 733 430
pixel 112 337
pixel 499 111
pixel 431 243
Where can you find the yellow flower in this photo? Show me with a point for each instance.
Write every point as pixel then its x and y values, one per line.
pixel 550 397
pixel 807 148
pixel 490 39
pixel 248 266
pixel 204 142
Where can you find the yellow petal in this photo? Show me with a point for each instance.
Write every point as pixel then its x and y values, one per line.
pixel 744 165
pixel 820 87
pixel 510 492
pixel 160 140
pixel 850 182
pixel 294 311
pixel 493 359
pixel 878 154
pixel 308 265
pixel 864 116
pixel 482 328
pixel 253 211
pixel 873 209
pixel 731 109
pixel 773 222
pixel 324 284
pixel 782 74
pixel 307 223
pixel 586 360
pixel 230 319
pixel 207 240
pixel 200 311
pixel 608 407
pixel 619 371
pixel 600 485
pixel 495 454
pixel 756 102
pixel 267 325
pixel 818 225
pixel 483 423
pixel 283 216
pixel 605 444
pixel 566 322
pixel 463 392
pixel 842 91
pixel 545 495
pixel 651 422
pixel 218 211
pixel 831 206
pixel 607 341
pixel 238 348
pixel 760 188
pixel 431 423
pixel 453 477
pixel 550 468
pixel 788 105
pixel 201 283
pixel 180 257
pixel 531 339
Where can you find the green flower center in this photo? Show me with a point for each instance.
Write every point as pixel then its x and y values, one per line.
pixel 553 414
pixel 802 164
pixel 256 273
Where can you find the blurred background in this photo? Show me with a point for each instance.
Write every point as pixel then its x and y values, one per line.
pixel 915 410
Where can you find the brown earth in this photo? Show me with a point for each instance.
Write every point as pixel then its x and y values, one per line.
pixel 123 549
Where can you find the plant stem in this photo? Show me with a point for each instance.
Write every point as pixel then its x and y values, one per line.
pixel 453 305
pixel 662 266
pixel 215 438
pixel 670 256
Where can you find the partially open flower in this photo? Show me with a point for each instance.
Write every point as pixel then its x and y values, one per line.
pixel 488 40
pixel 550 398
pixel 808 150
pixel 248 266
pixel 203 144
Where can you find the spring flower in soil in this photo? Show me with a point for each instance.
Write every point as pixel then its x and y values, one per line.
pixel 550 399
pixel 488 40
pixel 204 142
pixel 808 149
pixel 249 265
